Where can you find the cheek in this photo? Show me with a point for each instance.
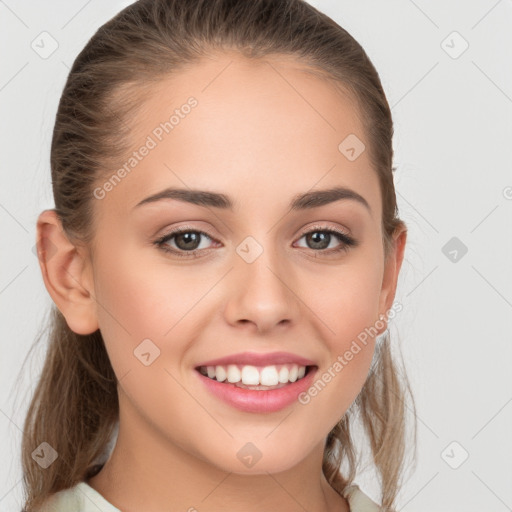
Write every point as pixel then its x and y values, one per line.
pixel 347 304
pixel 347 301
pixel 134 304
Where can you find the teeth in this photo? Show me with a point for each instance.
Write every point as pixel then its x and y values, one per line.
pixel 283 375
pixel 234 373
pixel 268 376
pixel 220 374
pixel 253 375
pixel 250 376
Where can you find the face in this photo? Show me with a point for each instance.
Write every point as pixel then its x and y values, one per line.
pixel 258 277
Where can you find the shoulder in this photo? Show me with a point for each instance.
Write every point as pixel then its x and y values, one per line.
pixel 358 500
pixel 80 498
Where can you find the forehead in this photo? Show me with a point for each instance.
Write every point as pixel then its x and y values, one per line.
pixel 258 128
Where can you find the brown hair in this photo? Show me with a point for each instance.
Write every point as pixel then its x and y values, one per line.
pixel 75 406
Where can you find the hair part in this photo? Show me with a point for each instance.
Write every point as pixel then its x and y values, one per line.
pixel 75 406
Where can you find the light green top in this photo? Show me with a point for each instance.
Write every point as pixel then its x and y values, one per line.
pixel 83 498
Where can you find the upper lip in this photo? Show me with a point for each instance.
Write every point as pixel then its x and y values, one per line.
pixel 259 359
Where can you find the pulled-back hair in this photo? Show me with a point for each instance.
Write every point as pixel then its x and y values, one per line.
pixel 75 406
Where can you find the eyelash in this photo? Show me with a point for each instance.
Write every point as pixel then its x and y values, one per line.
pixel 346 241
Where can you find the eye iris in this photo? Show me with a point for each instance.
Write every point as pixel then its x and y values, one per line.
pixel 320 238
pixel 190 237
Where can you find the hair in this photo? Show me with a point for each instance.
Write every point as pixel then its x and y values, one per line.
pixel 75 406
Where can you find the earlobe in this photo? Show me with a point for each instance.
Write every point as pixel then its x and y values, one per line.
pixel 391 272
pixel 67 274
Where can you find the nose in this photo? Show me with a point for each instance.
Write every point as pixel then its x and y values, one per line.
pixel 262 294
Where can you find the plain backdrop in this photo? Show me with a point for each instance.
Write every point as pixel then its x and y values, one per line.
pixel 446 70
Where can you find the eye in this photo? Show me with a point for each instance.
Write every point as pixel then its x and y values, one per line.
pixel 320 237
pixel 187 242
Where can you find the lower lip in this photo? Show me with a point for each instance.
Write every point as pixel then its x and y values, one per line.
pixel 260 401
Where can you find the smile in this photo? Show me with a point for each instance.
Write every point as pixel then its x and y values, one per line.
pixel 257 389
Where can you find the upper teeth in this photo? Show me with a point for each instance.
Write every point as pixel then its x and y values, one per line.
pixel 255 375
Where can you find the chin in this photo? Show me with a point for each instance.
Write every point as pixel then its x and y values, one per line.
pixel 251 460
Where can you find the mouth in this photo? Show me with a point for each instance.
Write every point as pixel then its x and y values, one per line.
pixel 257 389
pixel 257 377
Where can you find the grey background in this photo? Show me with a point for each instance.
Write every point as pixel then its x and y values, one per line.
pixel 452 112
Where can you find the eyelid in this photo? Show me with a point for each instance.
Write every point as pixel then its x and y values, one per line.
pixel 186 228
pixel 325 227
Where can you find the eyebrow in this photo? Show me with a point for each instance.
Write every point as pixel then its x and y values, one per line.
pixel 304 201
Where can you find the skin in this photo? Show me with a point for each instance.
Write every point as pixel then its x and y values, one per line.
pixel 260 140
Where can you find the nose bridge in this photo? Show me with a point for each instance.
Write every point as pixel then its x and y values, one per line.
pixel 262 291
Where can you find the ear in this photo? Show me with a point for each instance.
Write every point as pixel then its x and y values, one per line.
pixel 67 274
pixel 391 271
